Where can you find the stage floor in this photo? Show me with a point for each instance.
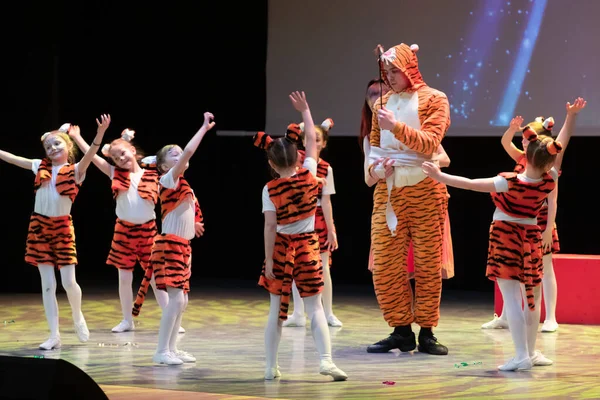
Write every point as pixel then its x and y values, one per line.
pixel 225 332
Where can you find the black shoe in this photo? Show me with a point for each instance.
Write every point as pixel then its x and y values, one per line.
pixel 430 345
pixel 394 341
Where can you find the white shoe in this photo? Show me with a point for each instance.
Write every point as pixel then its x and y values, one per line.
pixel 83 333
pixel 272 373
pixel 50 344
pixel 333 321
pixel 181 330
pixel 329 368
pixel 295 320
pixel 184 356
pixel 166 358
pixel 124 326
pixel 513 365
pixel 549 326
pixel 496 323
pixel 540 360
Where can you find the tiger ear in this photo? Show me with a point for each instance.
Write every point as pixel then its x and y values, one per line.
pixel 414 48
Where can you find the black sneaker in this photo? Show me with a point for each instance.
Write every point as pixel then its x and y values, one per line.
pixel 430 345
pixel 394 341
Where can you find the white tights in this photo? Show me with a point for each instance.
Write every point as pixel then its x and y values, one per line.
pixel 318 327
pixel 171 320
pixel 67 277
pixel 126 294
pixel 327 293
pixel 522 322
pixel 550 289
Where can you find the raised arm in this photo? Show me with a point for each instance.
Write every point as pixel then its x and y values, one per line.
pixel 568 128
pixel 507 138
pixel 485 185
pixel 22 162
pixel 427 139
pixel 85 162
pixel 98 161
pixel 193 144
pixel 301 105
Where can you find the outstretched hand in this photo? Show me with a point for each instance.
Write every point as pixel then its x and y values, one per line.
pixel 74 132
pixel 208 121
pixel 299 101
pixel 199 229
pixel 516 123
pixel 431 169
pixel 103 123
pixel 578 105
pixel 387 163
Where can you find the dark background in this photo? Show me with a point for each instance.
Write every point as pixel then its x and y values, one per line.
pixel 156 70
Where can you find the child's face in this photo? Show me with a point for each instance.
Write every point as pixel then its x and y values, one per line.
pixel 57 149
pixel 172 157
pixel 320 143
pixel 123 155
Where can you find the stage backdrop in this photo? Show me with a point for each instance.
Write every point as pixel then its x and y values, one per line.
pixel 493 58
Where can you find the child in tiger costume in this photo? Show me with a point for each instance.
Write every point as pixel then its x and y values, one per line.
pixel 51 236
pixel 546 221
pixel 407 129
pixel 171 257
pixel 135 190
pixel 324 226
pixel 515 246
pixel 291 243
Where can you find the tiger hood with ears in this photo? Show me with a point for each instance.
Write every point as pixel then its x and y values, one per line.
pixel 404 58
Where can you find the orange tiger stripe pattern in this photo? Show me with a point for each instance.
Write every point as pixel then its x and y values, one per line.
pixel 147 188
pixel 171 262
pixel 543 215
pixel 515 252
pixel 197 211
pixel 171 198
pixel 295 198
pixel 295 258
pixel 65 180
pixel 523 199
pixel 131 243
pixel 420 210
pixel 51 241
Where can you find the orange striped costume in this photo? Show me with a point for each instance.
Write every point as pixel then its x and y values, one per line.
pixel 133 242
pixel 295 256
pixel 51 240
pixel 515 250
pixel 408 205
pixel 543 216
pixel 171 254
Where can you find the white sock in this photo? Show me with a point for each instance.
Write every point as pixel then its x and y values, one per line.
pixel 49 297
pixel 168 319
pixel 298 302
pixel 175 331
pixel 162 298
pixel 532 319
pixel 327 293
pixel 126 294
pixel 511 293
pixel 550 288
pixel 318 326
pixel 67 277
pixel 272 333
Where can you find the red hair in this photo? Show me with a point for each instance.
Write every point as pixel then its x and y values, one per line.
pixel 366 117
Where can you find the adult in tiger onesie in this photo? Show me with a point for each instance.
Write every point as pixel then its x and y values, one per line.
pixel 407 127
